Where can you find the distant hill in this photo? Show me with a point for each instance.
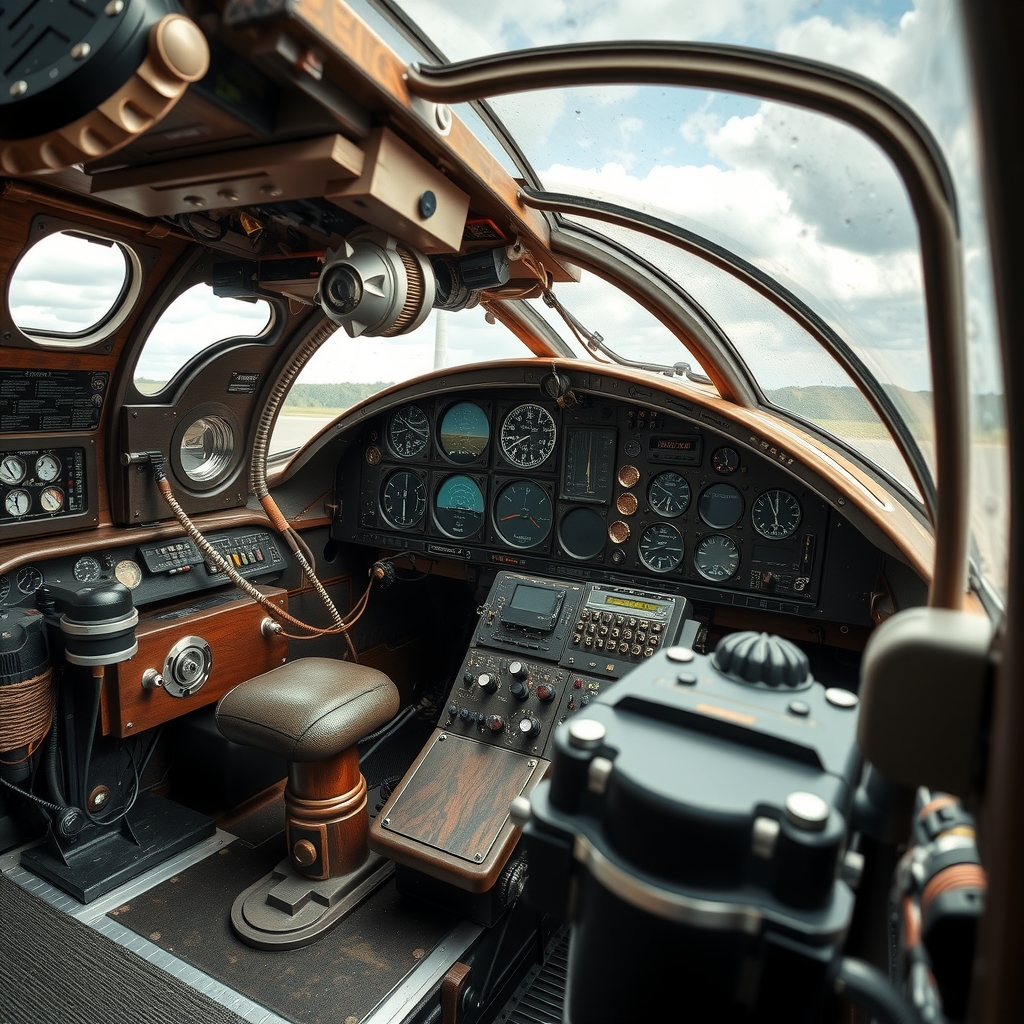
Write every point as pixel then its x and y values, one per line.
pixel 331 397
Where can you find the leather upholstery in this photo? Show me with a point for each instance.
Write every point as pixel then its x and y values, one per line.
pixel 308 709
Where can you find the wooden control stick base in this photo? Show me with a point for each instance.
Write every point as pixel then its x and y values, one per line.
pixel 326 819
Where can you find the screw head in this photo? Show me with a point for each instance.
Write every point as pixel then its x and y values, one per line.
pixel 19 88
pixel 807 811
pixel 80 50
pixel 114 8
pixel 585 733
pixel 271 190
pixel 196 201
pixel 427 205
pixel 443 116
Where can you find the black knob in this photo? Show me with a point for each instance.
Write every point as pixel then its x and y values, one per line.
pixel 517 670
pixel 464 714
pixel 479 718
pixel 529 726
pixel 468 679
pixel 453 710
pixel 495 723
pixel 519 690
pixel 545 692
pixel 487 682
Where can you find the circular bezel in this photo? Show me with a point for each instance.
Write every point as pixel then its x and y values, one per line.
pixel 19 475
pixel 645 537
pixel 732 460
pixel 511 520
pixel 776 531
pixel 470 482
pixel 13 494
pixel 87 569
pixel 474 452
pixel 421 500
pixel 704 512
pixel 662 505
pixel 51 491
pixel 30 579
pixel 702 545
pixel 419 446
pixel 52 467
pixel 542 428
pixel 221 466
pixel 128 573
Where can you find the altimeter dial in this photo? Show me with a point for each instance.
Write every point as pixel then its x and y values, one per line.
pixel 528 436
pixel 408 431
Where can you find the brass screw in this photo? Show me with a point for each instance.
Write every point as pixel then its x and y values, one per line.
pixel 80 50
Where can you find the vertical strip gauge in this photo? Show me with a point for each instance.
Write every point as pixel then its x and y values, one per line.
pixel 403 499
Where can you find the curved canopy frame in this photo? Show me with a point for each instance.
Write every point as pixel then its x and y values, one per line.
pixel 850 98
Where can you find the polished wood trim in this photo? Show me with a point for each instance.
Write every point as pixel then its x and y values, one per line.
pixel 326 779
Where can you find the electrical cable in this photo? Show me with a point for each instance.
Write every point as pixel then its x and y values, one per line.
pixel 868 987
pixel 394 726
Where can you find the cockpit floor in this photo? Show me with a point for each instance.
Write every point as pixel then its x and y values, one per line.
pixel 338 979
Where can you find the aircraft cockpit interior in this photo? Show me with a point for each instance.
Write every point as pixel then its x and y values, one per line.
pixel 505 512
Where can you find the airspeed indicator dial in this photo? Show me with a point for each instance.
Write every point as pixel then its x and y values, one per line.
pixel 528 436
pixel 776 514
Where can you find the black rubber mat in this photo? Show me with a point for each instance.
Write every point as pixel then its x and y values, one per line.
pixel 339 978
pixel 54 968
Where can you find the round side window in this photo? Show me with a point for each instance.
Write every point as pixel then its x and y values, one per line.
pixel 207 447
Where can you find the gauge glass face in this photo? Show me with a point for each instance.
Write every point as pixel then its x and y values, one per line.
pixel 716 558
pixel 528 436
pixel 51 499
pixel 30 579
pixel 522 514
pixel 408 432
pixel 18 502
pixel 721 506
pixel 459 507
pixel 669 494
pixel 12 470
pixel 128 573
pixel 464 432
pixel 582 533
pixel 661 548
pixel 403 499
pixel 589 465
pixel 87 569
pixel 776 514
pixel 47 468
pixel 5 587
pixel 725 461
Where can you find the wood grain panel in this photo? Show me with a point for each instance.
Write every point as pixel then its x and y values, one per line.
pixel 449 817
pixel 239 651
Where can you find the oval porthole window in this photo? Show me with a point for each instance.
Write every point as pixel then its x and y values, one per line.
pixel 72 289
pixel 207 446
pixel 192 323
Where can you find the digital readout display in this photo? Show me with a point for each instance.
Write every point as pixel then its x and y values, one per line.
pixel 684 449
pixel 674 444
pixel 534 599
pixel 648 607
pixel 622 602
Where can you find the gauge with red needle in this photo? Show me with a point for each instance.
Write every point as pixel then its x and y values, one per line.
pixel 522 514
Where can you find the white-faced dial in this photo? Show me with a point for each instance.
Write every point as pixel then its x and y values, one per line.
pixel 528 436
pixel 47 467
pixel 18 502
pixel 12 470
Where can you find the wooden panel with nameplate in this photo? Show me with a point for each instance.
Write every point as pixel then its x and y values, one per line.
pixel 449 816
pixel 239 649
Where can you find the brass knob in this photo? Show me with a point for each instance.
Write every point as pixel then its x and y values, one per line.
pixel 304 853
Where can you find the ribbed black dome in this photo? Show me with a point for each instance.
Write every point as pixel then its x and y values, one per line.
pixel 761 658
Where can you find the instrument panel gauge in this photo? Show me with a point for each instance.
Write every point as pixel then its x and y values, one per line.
pixel 716 558
pixel 87 569
pixel 618 532
pixel 522 514
pixel 51 499
pixel 464 432
pixel 669 494
pixel 408 432
pixel 528 436
pixel 459 507
pixel 403 499
pixel 12 470
pixel 725 461
pixel 47 468
pixel 776 514
pixel 30 579
pixel 720 506
pixel 17 502
pixel 128 573
pixel 661 548
pixel 5 588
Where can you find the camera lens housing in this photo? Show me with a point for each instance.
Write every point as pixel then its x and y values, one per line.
pixel 375 285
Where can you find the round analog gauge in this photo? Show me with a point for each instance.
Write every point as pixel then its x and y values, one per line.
pixel 30 579
pixel 528 436
pixel 51 499
pixel 5 587
pixel 582 533
pixel 128 573
pixel 459 507
pixel 669 494
pixel 464 432
pixel 725 461
pixel 403 499
pixel 408 431
pixel 776 514
pixel 628 475
pixel 47 468
pixel 661 548
pixel 721 506
pixel 17 502
pixel 716 557
pixel 87 569
pixel 626 503
pixel 618 532
pixel 12 470
pixel 522 514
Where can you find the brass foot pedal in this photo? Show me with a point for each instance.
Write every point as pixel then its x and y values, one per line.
pixel 286 910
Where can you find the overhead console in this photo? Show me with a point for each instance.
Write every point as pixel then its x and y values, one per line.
pixel 605 491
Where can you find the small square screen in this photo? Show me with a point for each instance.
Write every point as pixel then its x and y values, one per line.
pixel 534 599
